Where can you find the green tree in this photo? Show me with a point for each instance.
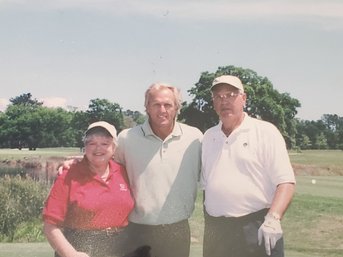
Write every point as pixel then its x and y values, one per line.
pixel 263 102
pixel 22 126
pixel 102 109
pixel 320 141
pixel 132 118
pixel 333 130
pixel 25 99
pixel 317 133
pixel 56 129
pixel 305 142
pixel 79 124
pixel 26 123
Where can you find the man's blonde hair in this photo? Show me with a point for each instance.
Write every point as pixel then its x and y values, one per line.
pixel 161 86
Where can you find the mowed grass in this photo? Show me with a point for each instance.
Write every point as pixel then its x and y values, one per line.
pixel 313 224
pixel 318 157
pixel 317 162
pixel 43 153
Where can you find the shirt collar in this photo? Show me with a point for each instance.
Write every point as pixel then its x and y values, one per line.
pixel 147 131
pixel 243 126
pixel 86 170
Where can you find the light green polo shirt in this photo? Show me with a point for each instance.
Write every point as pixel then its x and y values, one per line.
pixel 163 174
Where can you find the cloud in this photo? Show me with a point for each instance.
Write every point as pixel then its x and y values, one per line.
pixel 3 104
pixel 47 102
pixel 54 102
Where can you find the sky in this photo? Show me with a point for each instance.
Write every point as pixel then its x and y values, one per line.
pixel 67 52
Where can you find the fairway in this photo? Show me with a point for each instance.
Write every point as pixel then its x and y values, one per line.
pixel 16 154
pixel 324 186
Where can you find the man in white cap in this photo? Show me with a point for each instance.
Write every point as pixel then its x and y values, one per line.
pixel 247 178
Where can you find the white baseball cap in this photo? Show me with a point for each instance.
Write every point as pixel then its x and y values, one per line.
pixel 105 125
pixel 229 80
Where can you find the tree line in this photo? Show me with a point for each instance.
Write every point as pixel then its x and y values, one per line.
pixel 27 123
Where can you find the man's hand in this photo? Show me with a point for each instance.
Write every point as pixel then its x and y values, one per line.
pixel 66 164
pixel 269 232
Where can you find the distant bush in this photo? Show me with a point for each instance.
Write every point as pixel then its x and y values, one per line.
pixel 11 171
pixel 29 232
pixel 21 201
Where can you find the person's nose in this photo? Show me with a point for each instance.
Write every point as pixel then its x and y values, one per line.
pixel 98 147
pixel 225 101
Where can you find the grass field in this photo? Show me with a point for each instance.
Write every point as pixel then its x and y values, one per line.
pixel 313 224
pixel 43 153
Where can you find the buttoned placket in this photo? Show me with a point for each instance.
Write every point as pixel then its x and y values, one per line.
pixel 226 145
pixel 164 147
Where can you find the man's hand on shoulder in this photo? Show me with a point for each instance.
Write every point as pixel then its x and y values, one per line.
pixel 67 164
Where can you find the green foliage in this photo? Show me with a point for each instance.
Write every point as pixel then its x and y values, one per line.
pixel 263 102
pixel 25 99
pixel 102 109
pixel 266 103
pixel 28 124
pixel 21 202
pixel 36 126
pixel 30 232
pixel 326 133
pixel 10 171
pixel 133 118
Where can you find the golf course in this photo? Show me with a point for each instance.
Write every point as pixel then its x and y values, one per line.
pixel 313 224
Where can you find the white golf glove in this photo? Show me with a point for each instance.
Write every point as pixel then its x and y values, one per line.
pixel 270 231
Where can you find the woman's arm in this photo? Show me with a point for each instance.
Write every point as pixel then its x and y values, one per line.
pixel 59 243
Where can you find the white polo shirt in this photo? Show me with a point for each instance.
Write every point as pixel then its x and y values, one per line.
pixel 163 174
pixel 240 173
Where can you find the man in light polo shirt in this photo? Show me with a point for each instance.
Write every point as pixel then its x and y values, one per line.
pixel 247 178
pixel 162 159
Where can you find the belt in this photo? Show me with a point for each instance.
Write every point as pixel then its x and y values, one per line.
pixel 107 231
pixel 112 231
pixel 251 216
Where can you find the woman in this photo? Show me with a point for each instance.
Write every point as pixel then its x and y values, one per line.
pixel 87 209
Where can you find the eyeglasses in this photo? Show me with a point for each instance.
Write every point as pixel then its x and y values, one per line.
pixel 228 96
